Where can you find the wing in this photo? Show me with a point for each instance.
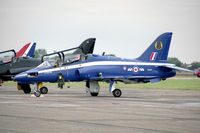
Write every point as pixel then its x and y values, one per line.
pixel 128 79
pixel 177 68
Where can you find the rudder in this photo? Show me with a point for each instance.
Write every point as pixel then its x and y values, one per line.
pixel 28 50
pixel 158 50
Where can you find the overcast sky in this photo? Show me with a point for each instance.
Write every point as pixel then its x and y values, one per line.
pixel 122 27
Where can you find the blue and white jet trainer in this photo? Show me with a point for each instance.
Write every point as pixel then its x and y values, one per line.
pixel 151 66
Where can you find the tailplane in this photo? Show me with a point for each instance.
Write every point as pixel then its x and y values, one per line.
pixel 158 50
pixel 27 51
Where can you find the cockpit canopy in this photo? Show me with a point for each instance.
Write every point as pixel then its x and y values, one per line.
pixel 72 55
pixel 7 56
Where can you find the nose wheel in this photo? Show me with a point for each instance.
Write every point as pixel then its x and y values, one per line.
pixel 44 90
pixel 37 93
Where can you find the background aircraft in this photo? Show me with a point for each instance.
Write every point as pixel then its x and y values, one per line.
pixel 12 63
pixel 151 66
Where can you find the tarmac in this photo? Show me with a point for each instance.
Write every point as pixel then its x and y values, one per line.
pixel 71 110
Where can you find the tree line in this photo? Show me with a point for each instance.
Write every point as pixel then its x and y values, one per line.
pixel 194 65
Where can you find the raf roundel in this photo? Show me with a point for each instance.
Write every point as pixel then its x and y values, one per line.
pixel 135 69
pixel 158 45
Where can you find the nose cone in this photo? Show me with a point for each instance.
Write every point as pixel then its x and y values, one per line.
pixel 21 77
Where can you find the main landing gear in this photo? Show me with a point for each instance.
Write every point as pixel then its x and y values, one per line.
pixel 115 92
pixel 93 88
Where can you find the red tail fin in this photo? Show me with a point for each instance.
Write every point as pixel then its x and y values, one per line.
pixel 27 50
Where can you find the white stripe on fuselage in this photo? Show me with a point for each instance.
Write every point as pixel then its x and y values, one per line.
pixel 104 63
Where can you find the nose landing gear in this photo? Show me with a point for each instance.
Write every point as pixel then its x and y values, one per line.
pixel 38 89
pixel 44 90
pixel 37 93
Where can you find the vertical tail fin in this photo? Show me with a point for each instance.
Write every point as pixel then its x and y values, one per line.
pixel 158 50
pixel 28 50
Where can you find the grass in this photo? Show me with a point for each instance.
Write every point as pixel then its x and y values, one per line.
pixel 175 84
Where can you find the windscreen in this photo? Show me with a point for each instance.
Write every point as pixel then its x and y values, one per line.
pixel 45 64
pixel 52 58
pixel 6 57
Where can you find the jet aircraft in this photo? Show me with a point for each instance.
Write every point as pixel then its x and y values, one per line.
pixel 12 63
pixel 151 66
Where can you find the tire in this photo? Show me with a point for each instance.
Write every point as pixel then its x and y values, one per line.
pixel 44 90
pixel 94 94
pixel 37 93
pixel 198 75
pixel 26 88
pixel 117 93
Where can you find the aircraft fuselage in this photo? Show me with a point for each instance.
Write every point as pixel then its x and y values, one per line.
pixel 101 68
